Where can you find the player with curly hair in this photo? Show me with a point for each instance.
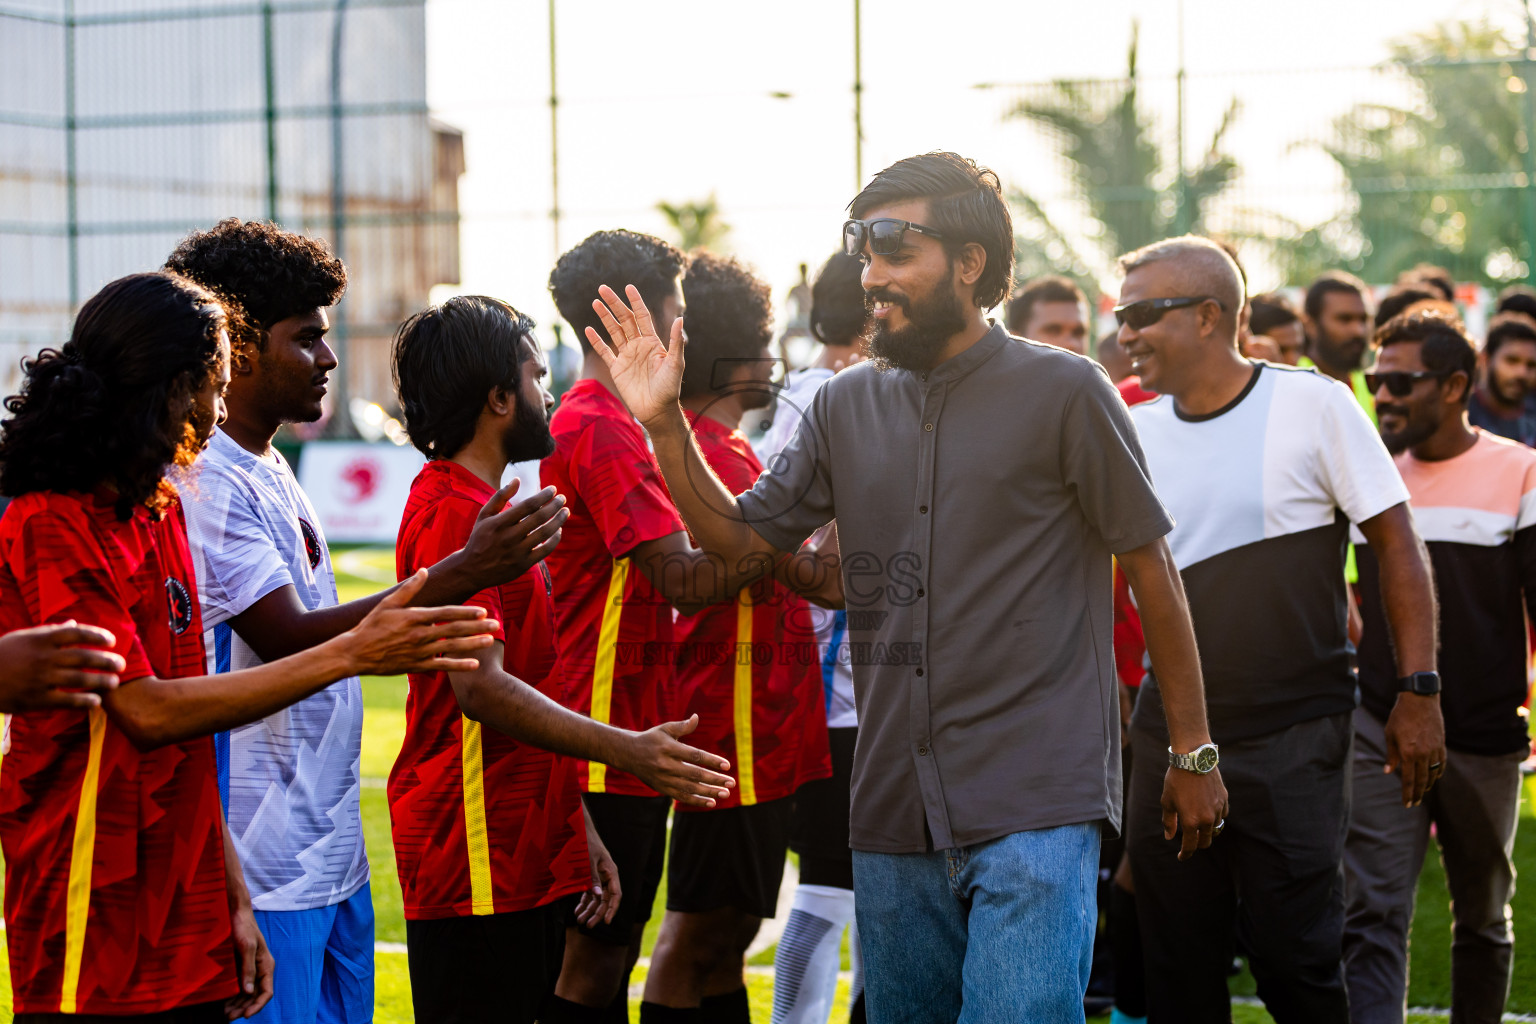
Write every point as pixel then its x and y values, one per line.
pixel 123 893
pixel 290 782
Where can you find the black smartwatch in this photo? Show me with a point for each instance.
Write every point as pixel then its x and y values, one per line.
pixel 1425 684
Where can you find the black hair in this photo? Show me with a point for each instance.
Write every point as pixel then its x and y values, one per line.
pixel 615 258
pixel 1330 282
pixel 1269 310
pixel 115 404
pixel 1518 298
pixel 447 358
pixel 262 273
pixel 1510 329
pixel 1427 275
pixel 1401 297
pixel 729 319
pixel 1051 288
pixel 838 312
pixel 1445 348
pixel 965 204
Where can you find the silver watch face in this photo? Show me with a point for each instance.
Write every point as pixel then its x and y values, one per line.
pixel 1205 758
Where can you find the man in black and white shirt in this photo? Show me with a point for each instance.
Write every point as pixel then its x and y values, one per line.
pixel 1263 468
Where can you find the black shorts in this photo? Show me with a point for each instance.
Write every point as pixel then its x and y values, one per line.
pixel 634 828
pixel 820 833
pixel 496 967
pixel 730 858
pixel 201 1013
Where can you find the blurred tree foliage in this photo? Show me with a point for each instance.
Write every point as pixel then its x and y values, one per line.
pixel 696 224
pixel 1441 179
pixel 1114 163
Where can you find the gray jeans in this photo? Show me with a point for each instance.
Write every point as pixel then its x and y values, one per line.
pixel 1474 809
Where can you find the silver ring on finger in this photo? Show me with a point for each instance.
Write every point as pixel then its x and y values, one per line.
pixel 1216 828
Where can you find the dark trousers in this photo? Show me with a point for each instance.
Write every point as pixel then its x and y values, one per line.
pixel 1273 877
pixel 1474 809
pixel 497 967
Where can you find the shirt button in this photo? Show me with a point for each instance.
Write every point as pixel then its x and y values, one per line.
pixel 927 426
pixel 922 751
pixel 921 592
pixel 923 509
pixel 919 671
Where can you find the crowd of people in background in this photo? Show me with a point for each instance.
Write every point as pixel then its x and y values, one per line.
pixel 1071 670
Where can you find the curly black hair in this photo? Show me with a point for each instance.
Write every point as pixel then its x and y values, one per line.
pixel 1446 347
pixel 728 317
pixel 838 312
pixel 115 405
pixel 263 273
pixel 615 258
pixel 447 358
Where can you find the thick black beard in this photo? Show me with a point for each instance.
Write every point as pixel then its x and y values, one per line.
pixel 916 346
pixel 528 438
pixel 1414 433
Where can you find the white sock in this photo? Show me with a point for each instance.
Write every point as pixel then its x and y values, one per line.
pixel 806 963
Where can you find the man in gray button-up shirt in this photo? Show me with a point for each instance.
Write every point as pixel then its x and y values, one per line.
pixel 980 485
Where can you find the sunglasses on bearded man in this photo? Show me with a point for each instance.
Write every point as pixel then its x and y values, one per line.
pixel 883 235
pixel 1399 383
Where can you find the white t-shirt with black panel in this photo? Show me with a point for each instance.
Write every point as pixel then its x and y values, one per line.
pixel 1263 491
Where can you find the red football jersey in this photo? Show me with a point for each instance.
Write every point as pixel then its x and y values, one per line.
pixel 752 669
pixel 115 896
pixel 615 630
pixel 482 824
pixel 1130 645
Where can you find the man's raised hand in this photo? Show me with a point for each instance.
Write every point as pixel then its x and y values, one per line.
pixel 647 373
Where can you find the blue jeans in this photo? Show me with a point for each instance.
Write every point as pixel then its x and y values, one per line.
pixel 996 933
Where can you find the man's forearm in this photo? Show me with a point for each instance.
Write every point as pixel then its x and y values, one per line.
pixel 1408 597
pixel 1170 637
pixel 154 712
pixel 515 709
pixel 707 506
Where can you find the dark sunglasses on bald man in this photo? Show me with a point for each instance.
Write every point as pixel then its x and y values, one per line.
pixel 1399 383
pixel 1143 314
pixel 883 235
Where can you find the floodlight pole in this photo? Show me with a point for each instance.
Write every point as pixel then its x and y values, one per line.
pixel 71 161
pixel 1528 74
pixel 269 73
pixel 858 101
pixel 554 145
pixel 341 411
pixel 1182 219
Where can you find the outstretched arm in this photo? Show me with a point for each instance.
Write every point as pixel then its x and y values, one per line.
pixel 48 667
pixel 392 639
pixel 488 694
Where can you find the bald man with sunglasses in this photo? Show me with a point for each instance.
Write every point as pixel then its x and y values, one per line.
pixel 1263 468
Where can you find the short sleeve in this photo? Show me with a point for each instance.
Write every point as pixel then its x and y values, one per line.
pixel 621 488
pixel 792 499
pixel 1355 469
pixel 1525 535
pixel 1102 462
pixel 64 574
pixel 235 556
pixel 438 532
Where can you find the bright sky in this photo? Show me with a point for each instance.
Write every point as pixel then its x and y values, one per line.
pixel 670 100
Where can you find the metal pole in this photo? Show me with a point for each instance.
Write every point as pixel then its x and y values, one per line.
pixel 1528 72
pixel 858 101
pixel 270 76
pixel 1182 219
pixel 341 421
pixel 71 166
pixel 554 143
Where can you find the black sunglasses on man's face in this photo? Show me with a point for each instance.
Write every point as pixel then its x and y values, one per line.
pixel 883 235
pixel 1399 383
pixel 1145 313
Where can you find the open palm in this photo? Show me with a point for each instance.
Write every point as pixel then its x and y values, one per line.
pixel 647 374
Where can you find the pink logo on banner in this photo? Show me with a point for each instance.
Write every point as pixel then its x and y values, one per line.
pixel 361 476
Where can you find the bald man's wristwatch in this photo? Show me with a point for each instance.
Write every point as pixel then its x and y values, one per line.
pixel 1202 760
pixel 1425 684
